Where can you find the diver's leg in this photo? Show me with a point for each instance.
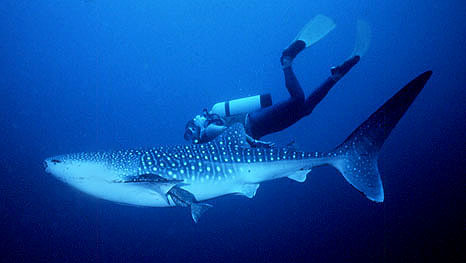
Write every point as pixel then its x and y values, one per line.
pixel 291 52
pixel 316 29
pixel 317 95
pixel 291 82
pixel 284 114
pixel 274 118
pixel 337 73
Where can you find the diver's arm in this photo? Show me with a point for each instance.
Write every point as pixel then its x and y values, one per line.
pixel 211 132
pixel 233 119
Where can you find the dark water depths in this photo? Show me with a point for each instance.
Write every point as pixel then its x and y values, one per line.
pixel 96 75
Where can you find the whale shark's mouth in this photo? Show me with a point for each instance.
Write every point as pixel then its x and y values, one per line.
pixel 48 164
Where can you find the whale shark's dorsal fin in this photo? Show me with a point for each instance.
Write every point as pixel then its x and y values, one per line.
pixel 234 135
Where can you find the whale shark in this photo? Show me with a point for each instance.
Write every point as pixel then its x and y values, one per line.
pixel 188 175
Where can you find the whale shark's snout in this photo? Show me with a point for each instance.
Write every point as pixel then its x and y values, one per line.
pixel 73 170
pixel 51 163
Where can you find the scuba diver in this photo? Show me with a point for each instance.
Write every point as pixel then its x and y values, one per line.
pixel 257 113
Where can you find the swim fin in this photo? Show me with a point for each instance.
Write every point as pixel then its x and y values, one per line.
pixel 316 29
pixel 363 38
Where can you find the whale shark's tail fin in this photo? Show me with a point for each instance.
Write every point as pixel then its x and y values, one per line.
pixel 357 155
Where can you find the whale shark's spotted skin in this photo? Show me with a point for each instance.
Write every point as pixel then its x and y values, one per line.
pixel 186 175
pixel 211 161
pixel 224 166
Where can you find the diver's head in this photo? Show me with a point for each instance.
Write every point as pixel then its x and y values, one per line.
pixel 193 129
pixel 201 126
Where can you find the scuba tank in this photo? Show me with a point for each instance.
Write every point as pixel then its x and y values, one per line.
pixel 242 106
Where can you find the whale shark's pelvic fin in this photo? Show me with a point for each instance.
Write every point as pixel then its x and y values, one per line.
pixel 357 155
pixel 248 190
pixel 299 176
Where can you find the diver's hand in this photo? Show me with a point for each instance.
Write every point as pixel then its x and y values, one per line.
pixel 263 144
pixel 259 144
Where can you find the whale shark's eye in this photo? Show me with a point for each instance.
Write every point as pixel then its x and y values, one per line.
pixel 55 161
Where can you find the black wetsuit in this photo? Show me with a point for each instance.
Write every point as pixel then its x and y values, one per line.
pixel 284 114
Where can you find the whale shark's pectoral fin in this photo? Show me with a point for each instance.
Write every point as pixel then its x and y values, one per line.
pixel 248 190
pixel 299 176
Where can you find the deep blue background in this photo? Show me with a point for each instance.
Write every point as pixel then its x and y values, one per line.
pixel 95 75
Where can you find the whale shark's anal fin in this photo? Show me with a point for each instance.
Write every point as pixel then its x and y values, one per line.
pixel 356 157
pixel 184 198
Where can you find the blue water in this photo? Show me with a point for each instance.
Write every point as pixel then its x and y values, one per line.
pixel 97 75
